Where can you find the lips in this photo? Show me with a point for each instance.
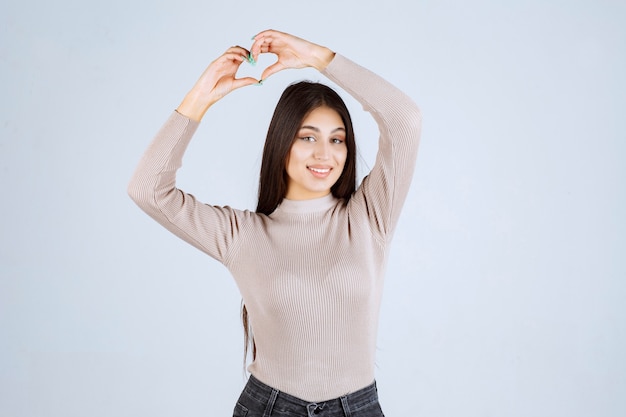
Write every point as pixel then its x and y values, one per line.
pixel 319 172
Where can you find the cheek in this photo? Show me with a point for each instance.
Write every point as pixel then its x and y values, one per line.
pixel 294 159
pixel 297 153
pixel 289 165
pixel 342 157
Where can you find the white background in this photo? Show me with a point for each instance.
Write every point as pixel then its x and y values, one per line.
pixel 506 285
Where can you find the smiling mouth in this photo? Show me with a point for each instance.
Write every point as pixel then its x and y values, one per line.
pixel 320 172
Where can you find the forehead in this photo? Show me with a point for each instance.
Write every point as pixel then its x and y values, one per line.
pixel 323 117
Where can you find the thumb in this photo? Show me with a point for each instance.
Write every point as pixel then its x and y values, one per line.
pixel 243 82
pixel 271 70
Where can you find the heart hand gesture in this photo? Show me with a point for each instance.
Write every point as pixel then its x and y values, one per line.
pixel 220 77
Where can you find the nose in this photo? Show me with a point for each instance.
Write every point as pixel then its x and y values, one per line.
pixel 321 151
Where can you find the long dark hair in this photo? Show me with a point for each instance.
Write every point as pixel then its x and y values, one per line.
pixel 296 102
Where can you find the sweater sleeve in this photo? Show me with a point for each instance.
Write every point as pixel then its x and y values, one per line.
pixel 153 187
pixel 384 189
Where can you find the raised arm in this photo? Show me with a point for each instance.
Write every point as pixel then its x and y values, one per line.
pixel 382 193
pixel 153 185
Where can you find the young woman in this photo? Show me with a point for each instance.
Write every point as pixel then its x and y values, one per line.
pixel 310 262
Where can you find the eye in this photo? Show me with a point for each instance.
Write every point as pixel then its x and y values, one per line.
pixel 308 138
pixel 337 140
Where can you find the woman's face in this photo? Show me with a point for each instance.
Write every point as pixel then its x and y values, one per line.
pixel 317 156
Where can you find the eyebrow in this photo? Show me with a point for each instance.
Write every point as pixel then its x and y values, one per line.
pixel 315 129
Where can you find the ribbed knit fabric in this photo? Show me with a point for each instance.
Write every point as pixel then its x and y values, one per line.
pixel 311 273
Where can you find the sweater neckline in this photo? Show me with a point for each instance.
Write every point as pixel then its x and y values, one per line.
pixel 308 206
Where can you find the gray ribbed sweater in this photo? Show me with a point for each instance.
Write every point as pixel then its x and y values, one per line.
pixel 311 273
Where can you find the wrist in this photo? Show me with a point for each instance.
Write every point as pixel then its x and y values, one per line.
pixel 194 106
pixel 322 57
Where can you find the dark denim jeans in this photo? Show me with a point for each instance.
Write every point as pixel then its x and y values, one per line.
pixel 260 400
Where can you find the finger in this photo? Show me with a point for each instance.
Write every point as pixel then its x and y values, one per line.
pixel 272 69
pixel 235 57
pixel 267 33
pixel 260 46
pixel 243 82
pixel 237 50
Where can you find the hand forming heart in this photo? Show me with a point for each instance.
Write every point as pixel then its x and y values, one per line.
pixel 220 77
